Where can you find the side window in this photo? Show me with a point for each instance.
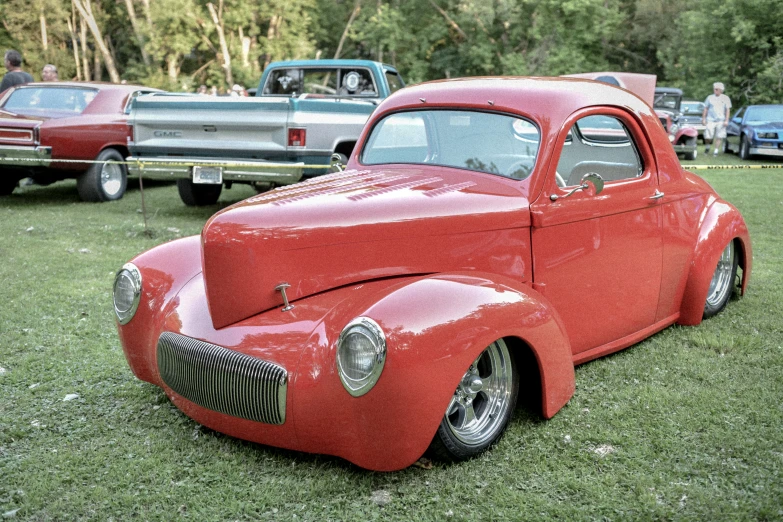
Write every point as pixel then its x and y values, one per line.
pixel 286 82
pixel 394 81
pixel 599 144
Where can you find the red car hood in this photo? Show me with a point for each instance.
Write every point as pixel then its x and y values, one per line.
pixel 360 225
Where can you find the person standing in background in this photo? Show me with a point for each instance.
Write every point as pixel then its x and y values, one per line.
pixel 49 73
pixel 717 108
pixel 15 74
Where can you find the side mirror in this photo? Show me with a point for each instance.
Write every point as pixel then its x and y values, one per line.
pixel 591 180
pixel 337 164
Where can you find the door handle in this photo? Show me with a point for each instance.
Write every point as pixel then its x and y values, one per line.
pixel 658 194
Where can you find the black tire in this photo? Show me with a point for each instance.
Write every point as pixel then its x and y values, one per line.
pixel 722 282
pixel 197 195
pixel 481 407
pixel 691 155
pixel 7 184
pixel 744 148
pixel 104 181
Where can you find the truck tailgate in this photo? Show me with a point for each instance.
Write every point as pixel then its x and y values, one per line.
pixel 200 126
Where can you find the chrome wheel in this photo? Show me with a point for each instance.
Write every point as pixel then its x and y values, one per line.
pixel 722 282
pixel 481 405
pixel 112 179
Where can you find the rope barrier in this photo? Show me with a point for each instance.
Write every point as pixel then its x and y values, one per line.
pixel 173 163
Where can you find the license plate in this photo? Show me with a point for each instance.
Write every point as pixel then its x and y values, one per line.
pixel 208 175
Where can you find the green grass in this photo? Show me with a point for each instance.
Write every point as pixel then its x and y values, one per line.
pixel 685 425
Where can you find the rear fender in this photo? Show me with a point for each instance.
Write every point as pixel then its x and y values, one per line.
pixel 722 223
pixel 435 327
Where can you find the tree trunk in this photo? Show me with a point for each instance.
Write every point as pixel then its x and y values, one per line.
pixel 137 31
pixel 172 65
pixel 85 49
pixel 76 58
pixel 217 19
pixel 85 9
pixel 97 67
pixel 246 42
pixel 44 38
pixel 271 34
pixel 356 8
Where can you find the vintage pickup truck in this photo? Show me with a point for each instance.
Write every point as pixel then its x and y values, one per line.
pixel 303 113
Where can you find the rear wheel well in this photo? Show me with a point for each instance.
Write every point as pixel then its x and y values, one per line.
pixel 530 398
pixel 345 148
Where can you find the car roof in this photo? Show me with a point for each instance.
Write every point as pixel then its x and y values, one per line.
pixel 668 90
pixel 330 63
pixel 90 85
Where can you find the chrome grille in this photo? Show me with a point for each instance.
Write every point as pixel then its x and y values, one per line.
pixel 223 380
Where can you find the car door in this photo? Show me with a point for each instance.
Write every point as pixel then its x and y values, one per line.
pixel 598 257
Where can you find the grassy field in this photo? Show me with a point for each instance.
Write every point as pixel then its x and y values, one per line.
pixel 686 425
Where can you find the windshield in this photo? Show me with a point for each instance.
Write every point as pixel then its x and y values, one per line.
pixel 764 114
pixel 667 101
pixel 692 108
pixel 38 100
pixel 479 141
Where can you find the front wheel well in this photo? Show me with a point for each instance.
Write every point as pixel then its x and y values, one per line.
pixel 530 390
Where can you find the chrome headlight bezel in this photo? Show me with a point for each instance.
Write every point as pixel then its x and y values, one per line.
pixel 766 135
pixel 372 332
pixel 130 273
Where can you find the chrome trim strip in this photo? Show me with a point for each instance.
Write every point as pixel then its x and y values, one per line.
pixel 765 151
pixel 223 380
pixel 25 156
pixel 176 168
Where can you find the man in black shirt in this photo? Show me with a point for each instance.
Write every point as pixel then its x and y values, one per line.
pixel 15 74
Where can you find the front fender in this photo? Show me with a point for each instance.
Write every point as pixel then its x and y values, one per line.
pixel 722 223
pixel 435 327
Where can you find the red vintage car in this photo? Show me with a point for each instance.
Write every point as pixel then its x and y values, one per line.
pixel 45 128
pixel 488 236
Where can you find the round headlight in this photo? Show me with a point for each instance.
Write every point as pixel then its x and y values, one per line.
pixel 127 291
pixel 361 354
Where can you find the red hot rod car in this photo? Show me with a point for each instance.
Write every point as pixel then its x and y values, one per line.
pixel 391 308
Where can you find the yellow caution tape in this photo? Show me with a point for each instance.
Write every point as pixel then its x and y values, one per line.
pixel 723 167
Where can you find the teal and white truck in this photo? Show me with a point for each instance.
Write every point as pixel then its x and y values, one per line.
pixel 303 113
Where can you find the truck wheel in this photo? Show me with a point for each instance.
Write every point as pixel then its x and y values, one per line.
pixel 196 195
pixel 104 181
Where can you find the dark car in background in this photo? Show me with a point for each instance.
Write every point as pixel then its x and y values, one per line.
pixel 48 129
pixel 667 103
pixel 691 112
pixel 756 130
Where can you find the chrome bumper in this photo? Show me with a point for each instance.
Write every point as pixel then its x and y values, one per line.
pixel 282 173
pixel 25 156
pixel 684 148
pixel 766 151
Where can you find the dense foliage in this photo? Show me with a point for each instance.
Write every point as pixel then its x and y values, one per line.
pixel 179 44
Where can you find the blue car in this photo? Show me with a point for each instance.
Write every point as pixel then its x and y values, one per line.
pixel 756 130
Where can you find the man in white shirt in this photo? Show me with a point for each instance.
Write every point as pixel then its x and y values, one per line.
pixel 717 108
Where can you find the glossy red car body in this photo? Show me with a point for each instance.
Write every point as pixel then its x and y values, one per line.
pixel 446 260
pixel 43 136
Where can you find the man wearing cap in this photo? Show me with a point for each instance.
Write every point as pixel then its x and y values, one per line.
pixel 717 107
